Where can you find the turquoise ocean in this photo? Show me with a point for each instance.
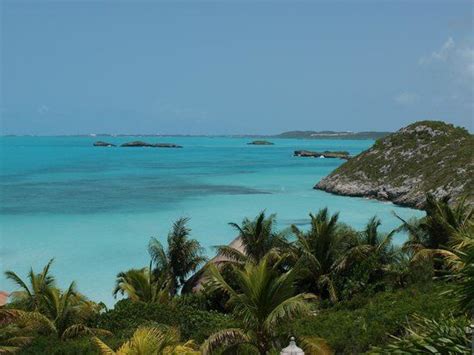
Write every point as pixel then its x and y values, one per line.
pixel 93 209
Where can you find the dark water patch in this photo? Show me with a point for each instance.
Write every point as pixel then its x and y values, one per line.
pixel 104 195
pixel 300 222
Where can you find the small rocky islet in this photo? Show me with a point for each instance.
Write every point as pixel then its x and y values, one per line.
pixel 260 142
pixel 326 154
pixel 138 144
pixel 150 145
pixel 103 144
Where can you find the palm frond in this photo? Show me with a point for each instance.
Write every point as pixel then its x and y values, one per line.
pixel 289 309
pixel 231 253
pixel 78 330
pixel 315 346
pixel 10 275
pixel 224 338
pixel 104 349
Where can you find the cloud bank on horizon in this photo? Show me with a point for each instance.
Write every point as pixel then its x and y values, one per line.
pixel 233 67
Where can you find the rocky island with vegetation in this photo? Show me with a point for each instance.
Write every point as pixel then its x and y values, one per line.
pixel 424 157
pixel 260 142
pixel 103 144
pixel 325 154
pixel 136 144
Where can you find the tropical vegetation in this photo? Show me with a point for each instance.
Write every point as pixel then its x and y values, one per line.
pixel 336 289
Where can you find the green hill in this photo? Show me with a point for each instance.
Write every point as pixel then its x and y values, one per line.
pixel 427 156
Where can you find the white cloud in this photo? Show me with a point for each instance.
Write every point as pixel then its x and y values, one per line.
pixel 458 58
pixel 445 50
pixel 42 109
pixel 406 98
pixel 440 55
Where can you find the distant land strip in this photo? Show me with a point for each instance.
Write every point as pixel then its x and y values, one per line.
pixel 290 134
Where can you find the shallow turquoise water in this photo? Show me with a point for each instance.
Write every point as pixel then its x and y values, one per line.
pixel 94 209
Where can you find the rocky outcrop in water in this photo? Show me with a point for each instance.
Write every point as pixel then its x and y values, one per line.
pixel 103 144
pixel 425 157
pixel 325 154
pixel 260 142
pixel 137 144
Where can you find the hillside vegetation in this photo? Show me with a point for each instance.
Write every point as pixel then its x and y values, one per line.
pixel 424 157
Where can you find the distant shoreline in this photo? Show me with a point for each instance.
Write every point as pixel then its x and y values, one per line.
pixel 305 135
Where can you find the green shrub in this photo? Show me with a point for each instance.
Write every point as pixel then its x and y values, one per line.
pixel 354 326
pixel 193 323
pixel 128 315
pixel 54 346
pixel 447 335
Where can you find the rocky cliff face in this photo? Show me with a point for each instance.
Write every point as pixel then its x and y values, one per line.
pixel 425 157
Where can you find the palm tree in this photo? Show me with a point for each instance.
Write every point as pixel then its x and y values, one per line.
pixel 442 220
pixel 20 327
pixel 433 232
pixel 151 341
pixel 141 285
pixel 460 260
pixel 263 299
pixel 370 244
pixel 68 310
pixel 258 238
pixel 47 309
pixel 321 248
pixel 182 257
pixel 30 297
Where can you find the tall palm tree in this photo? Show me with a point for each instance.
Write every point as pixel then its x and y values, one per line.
pixel 69 311
pixel 62 320
pixel 151 341
pixel 142 285
pixel 370 243
pixel 31 297
pixel 263 299
pixel 258 238
pixel 45 309
pixel 182 257
pixel 321 248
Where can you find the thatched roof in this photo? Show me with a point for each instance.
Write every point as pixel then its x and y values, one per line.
pixel 195 282
pixel 3 298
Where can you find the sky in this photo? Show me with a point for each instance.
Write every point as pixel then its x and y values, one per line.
pixel 233 67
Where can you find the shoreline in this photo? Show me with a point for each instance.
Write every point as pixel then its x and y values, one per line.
pixel 368 196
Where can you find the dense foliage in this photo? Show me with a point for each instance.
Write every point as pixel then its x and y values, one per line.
pixel 334 288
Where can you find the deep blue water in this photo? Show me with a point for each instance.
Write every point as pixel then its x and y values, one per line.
pixel 94 209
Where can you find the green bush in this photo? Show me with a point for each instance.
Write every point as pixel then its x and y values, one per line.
pixel 193 323
pixel 447 335
pixel 354 326
pixel 54 346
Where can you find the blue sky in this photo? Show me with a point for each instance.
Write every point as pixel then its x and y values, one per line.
pixel 228 67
